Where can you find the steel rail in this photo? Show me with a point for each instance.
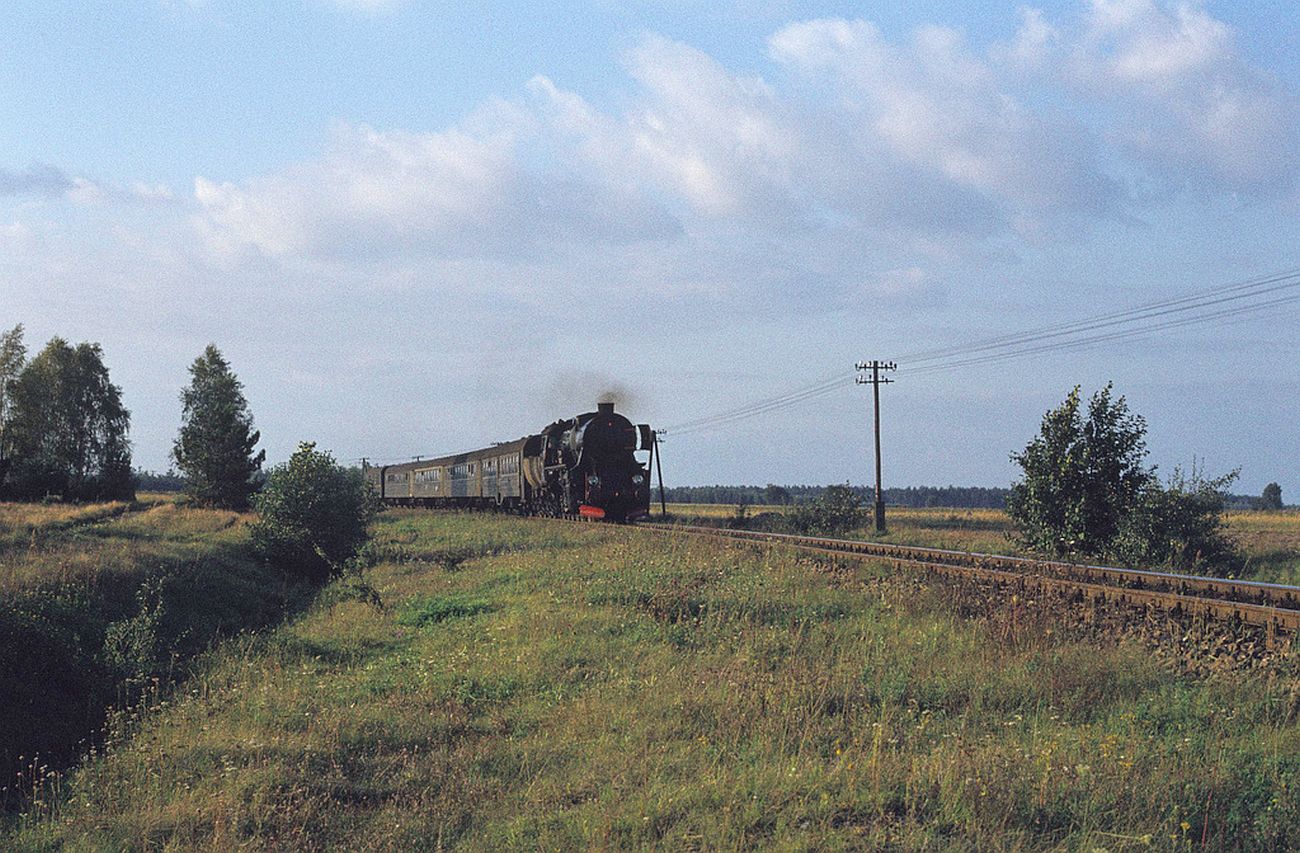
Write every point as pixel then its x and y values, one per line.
pixel 1274 607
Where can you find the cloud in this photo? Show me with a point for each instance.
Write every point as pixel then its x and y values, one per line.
pixel 461 192
pixel 934 105
pixel 909 150
pixel 37 179
pixel 721 141
pixel 1187 106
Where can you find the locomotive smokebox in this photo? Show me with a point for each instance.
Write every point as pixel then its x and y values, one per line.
pixel 605 408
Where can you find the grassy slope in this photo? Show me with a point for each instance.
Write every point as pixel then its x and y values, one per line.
pixel 539 685
pixel 100 603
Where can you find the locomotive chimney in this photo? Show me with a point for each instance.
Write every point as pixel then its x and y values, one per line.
pixel 605 408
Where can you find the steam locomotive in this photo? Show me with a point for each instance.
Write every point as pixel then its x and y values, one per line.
pixel 577 467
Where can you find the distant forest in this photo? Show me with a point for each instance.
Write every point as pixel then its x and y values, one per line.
pixel 151 481
pixel 962 497
pixel 912 496
pixel 965 497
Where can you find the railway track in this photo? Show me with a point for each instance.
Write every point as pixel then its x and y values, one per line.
pixel 1275 608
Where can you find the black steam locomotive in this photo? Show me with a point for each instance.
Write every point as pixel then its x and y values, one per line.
pixel 580 467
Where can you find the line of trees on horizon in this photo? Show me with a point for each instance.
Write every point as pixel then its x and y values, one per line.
pixel 772 494
pixel 911 497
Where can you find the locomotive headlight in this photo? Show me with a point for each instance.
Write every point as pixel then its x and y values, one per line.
pixel 637 479
pixel 593 480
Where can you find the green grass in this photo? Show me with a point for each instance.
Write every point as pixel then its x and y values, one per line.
pixel 438 608
pixel 105 544
pixel 537 685
pixel 103 604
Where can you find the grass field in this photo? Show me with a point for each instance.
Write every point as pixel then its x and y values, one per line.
pixel 44 546
pixel 535 685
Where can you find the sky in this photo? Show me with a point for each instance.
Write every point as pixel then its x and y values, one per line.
pixel 420 227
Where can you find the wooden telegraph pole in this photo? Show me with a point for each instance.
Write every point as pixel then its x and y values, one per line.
pixel 875 381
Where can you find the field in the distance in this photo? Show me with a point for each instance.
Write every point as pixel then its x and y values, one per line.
pixel 533 684
pixel 1270 541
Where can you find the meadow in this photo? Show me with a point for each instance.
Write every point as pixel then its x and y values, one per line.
pixel 534 684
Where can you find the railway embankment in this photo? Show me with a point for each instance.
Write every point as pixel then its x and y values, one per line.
pixel 104 607
pixel 531 684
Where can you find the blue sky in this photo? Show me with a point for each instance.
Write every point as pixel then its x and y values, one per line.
pixel 417 227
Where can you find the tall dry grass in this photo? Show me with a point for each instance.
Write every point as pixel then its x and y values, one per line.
pixel 542 686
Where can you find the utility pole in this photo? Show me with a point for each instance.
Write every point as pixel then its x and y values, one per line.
pixel 659 466
pixel 875 381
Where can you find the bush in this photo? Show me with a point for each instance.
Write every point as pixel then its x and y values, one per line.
pixel 1087 492
pixel 838 510
pixel 1179 527
pixel 313 515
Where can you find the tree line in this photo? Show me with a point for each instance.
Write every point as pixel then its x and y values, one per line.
pixel 974 497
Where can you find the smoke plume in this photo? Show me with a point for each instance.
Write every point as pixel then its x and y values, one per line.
pixel 580 391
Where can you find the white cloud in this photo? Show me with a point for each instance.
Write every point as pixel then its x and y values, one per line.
pixel 935 105
pixel 718 139
pixel 367 187
pixel 1034 42
pixel 1186 105
pixel 461 192
pixel 909 149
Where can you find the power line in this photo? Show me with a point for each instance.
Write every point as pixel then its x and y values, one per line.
pixel 1238 290
pixel 1112 326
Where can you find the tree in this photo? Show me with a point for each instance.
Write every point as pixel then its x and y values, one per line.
pixel 313 514
pixel 1086 491
pixel 215 447
pixel 1271 498
pixel 67 431
pixel 776 495
pixel 1080 476
pixel 13 356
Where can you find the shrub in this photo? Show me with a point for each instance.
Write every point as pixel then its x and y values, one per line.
pixel 1179 527
pixel 838 510
pixel 313 514
pixel 1086 491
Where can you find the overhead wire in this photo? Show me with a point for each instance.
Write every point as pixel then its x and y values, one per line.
pixel 1169 313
